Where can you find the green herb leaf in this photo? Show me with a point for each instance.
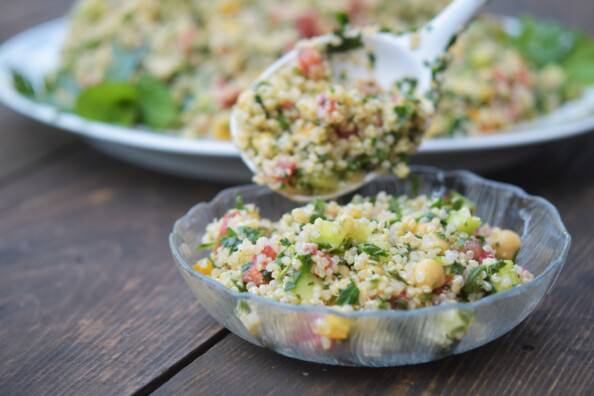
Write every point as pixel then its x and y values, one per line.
pixel 472 284
pixel 157 107
pixel 22 84
pixel 396 275
pixel 349 295
pixel 544 42
pixel 231 241
pixel 206 246
pixel 394 207
pixel 579 65
pixel 374 251
pixel 407 86
pixel 285 242
pixel 347 43
pixel 293 280
pixel 239 205
pixel 250 233
pixel 260 101
pixel 113 102
pixel 456 268
pixel 319 211
pixel 371 58
pixel 283 122
pixel 343 19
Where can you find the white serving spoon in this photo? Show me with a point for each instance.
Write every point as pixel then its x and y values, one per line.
pixel 397 56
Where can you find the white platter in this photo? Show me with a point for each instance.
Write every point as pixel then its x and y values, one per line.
pixel 35 52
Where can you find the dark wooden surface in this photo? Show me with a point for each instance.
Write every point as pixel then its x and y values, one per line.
pixel 91 303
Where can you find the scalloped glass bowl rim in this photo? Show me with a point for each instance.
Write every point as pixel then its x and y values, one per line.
pixel 558 261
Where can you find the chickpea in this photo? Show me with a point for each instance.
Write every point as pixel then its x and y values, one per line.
pixel 428 272
pixel 505 242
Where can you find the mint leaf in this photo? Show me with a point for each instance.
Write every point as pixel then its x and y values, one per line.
pixel 113 102
pixel 157 107
pixel 544 42
pixel 579 65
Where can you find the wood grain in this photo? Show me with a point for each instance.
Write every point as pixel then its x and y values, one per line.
pixel 90 299
pixel 552 352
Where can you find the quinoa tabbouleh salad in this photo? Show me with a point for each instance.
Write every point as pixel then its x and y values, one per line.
pixel 382 252
pixel 311 132
pixel 200 54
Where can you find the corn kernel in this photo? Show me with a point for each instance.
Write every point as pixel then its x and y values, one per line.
pixel 204 266
pixel 333 327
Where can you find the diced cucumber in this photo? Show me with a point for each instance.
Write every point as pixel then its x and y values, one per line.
pixel 464 221
pixel 459 201
pixel 305 287
pixel 506 277
pixel 324 181
pixel 359 231
pixel 330 233
pixel 449 327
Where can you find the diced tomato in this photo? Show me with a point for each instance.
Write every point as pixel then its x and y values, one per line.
pixel 396 302
pixel 522 76
pixel 379 120
pixel 355 9
pixel 477 250
pixel 310 63
pixel 229 97
pixel 288 105
pixel 269 252
pixel 500 76
pixel 307 24
pixel 285 170
pixel 186 39
pixel 345 133
pixel 252 275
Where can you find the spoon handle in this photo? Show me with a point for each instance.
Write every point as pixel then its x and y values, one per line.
pixel 437 34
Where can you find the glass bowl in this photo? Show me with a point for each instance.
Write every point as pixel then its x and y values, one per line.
pixel 389 337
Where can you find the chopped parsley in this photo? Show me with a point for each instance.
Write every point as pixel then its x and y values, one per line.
pixel 231 241
pixel 373 251
pixel 347 42
pixel 349 295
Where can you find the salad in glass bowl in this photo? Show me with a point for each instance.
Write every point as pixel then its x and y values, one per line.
pixel 322 283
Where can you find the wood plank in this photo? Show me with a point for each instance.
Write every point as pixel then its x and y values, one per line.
pixel 90 299
pixel 550 353
pixel 23 141
pixel 20 15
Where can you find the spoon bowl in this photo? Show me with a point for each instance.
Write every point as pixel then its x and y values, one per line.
pixel 411 55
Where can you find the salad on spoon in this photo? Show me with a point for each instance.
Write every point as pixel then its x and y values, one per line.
pixel 340 109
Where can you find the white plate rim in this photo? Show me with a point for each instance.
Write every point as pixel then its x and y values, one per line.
pixel 142 138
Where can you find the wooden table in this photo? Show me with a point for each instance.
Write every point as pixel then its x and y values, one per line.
pixel 91 302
